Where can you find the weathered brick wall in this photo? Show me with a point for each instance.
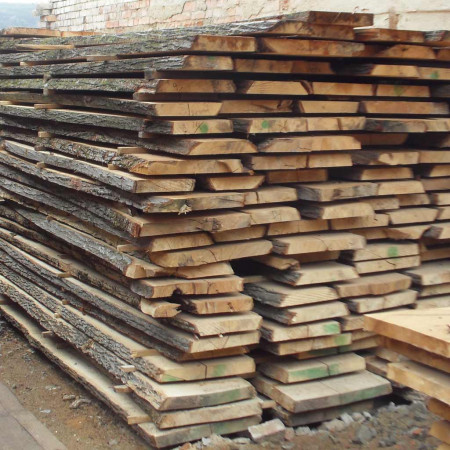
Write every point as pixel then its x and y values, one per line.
pixel 123 15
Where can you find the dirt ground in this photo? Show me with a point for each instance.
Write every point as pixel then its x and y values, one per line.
pixel 50 395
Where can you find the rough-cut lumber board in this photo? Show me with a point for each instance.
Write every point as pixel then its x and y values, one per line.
pixel 385 157
pixel 311 243
pixel 327 107
pixel 377 220
pixel 288 88
pixel 229 303
pixel 315 273
pixel 291 371
pixel 302 314
pixel 387 35
pixel 431 273
pixel 426 380
pixel 437 289
pixel 373 285
pixel 276 294
pixel 326 393
pixel 297 226
pixel 212 254
pixel 440 301
pixel 318 48
pixel 217 325
pixel 135 65
pixel 264 215
pixel 309 144
pixel 276 332
pixel 439 408
pixel 337 210
pixel 371 174
pixel 347 89
pixel 417 354
pixel 413 199
pixel 296 176
pixel 166 287
pixel 382 250
pixel 377 303
pixel 397 90
pixel 310 346
pixel 331 191
pixel 232 183
pixel 412 215
pixel 404 108
pixel 388 264
pixel 441 430
pixel 426 329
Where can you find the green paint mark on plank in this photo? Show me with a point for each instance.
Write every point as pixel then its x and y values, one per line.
pixel 392 251
pixel 332 328
pixel 203 128
pixel 399 90
pixel 434 75
pixel 219 370
pixel 265 124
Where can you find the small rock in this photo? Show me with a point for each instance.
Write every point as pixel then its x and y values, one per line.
pixel 334 425
pixel 303 431
pixel 364 435
pixel 273 430
pixel 358 417
pixel 416 432
pixel 113 442
pixel 51 387
pixel 78 402
pixel 206 441
pixel 67 397
pixel 287 445
pixel 289 434
pixel 367 415
pixel 347 419
pixel 387 442
pixel 45 411
pixel 242 441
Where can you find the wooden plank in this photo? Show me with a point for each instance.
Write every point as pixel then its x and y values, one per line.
pixel 312 243
pixel 302 314
pixel 337 210
pixel 388 264
pixel 373 285
pixel 221 304
pixel 275 332
pixel 426 329
pixel 217 325
pixel 281 296
pixel 381 250
pixel 212 254
pixel 438 408
pixel 291 371
pixel 424 379
pixel 301 144
pixel 331 191
pixel 315 273
pixel 417 354
pixel 308 346
pixel 441 430
pixel 431 273
pixel 377 303
pixel 326 393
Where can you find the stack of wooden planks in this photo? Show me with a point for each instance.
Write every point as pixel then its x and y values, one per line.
pixel 418 343
pixel 169 196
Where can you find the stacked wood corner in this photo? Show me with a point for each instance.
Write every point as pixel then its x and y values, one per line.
pixel 204 216
pixel 419 344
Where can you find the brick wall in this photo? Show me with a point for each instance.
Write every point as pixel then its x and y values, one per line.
pixel 123 15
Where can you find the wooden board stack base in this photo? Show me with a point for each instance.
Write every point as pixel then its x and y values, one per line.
pixel 418 342
pixel 146 175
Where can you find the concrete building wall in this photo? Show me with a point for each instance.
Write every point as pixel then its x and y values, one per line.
pixel 123 15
